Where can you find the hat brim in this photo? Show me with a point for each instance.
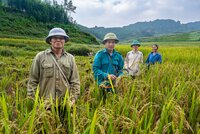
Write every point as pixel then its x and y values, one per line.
pixel 48 38
pixel 135 45
pixel 104 41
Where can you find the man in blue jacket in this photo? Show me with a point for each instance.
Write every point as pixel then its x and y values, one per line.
pixel 108 62
pixel 154 56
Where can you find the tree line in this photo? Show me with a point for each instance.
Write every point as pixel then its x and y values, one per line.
pixel 43 10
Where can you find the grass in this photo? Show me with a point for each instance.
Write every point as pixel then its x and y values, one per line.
pixel 163 99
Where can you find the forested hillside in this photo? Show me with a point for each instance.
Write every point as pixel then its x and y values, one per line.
pixel 34 19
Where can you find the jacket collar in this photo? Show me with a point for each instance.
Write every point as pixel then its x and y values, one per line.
pixel 155 54
pixel 49 50
pixel 135 52
pixel 106 51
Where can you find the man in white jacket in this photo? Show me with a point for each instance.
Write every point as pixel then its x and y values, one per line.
pixel 134 59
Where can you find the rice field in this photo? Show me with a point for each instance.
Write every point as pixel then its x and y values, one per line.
pixel 164 99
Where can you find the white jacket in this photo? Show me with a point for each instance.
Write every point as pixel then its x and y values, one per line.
pixel 132 62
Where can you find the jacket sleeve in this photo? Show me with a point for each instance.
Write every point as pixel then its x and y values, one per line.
pixel 147 61
pixel 33 77
pixel 141 60
pixel 121 65
pixel 126 62
pixel 74 81
pixel 160 59
pixel 98 73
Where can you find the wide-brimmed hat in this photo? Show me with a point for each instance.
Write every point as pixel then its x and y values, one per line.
pixel 57 32
pixel 135 43
pixel 110 36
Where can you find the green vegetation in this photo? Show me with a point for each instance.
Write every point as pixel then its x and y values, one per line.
pixel 20 25
pixel 164 99
pixel 78 50
pixel 6 53
pixel 42 11
pixel 29 47
pixel 16 25
pixel 191 36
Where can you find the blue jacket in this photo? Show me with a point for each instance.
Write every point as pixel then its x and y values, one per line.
pixel 152 59
pixel 103 65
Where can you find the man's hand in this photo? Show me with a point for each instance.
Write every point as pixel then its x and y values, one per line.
pixel 112 77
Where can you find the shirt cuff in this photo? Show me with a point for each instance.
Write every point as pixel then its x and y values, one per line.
pixel 105 75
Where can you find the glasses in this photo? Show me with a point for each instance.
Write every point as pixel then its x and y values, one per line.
pixel 58 37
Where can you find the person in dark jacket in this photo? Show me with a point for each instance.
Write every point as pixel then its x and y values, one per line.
pixel 154 56
pixel 108 63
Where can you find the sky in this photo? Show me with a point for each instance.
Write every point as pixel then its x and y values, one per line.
pixel 118 13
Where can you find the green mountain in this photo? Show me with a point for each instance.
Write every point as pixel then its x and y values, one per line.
pixel 17 24
pixel 139 30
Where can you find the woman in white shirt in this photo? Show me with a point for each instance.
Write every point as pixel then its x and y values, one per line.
pixel 133 59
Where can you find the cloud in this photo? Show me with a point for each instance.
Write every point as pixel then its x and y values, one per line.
pixel 110 13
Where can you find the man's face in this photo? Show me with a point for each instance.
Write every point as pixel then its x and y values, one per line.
pixel 57 42
pixel 154 48
pixel 110 45
pixel 135 48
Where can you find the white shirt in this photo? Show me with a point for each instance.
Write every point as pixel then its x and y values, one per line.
pixel 132 62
